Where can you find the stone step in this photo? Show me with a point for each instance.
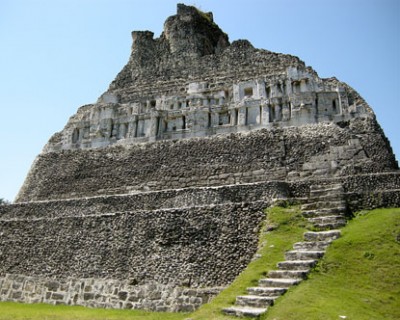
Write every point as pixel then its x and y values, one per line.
pixel 239 311
pixel 278 283
pixel 328 222
pixel 327 219
pixel 322 235
pixel 304 255
pixel 255 301
pixel 324 212
pixel 288 274
pixel 329 225
pixel 297 264
pixel 323 205
pixel 266 291
pixel 311 245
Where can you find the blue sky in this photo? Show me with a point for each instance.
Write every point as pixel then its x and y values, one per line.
pixel 57 55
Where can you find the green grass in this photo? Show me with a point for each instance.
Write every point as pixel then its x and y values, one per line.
pixel 359 276
pixel 19 311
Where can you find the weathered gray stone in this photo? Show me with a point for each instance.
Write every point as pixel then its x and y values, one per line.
pixel 322 235
pixel 312 245
pixel 278 283
pixel 266 291
pixel 255 301
pixel 240 311
pixel 297 264
pixel 303 254
pixel 57 296
pixel 288 274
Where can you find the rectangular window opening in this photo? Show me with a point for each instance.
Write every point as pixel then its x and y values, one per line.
pixel 248 92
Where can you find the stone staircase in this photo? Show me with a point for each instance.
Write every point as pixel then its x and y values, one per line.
pixel 326 208
pixel 326 211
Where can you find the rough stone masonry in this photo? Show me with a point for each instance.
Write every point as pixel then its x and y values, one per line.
pixel 153 196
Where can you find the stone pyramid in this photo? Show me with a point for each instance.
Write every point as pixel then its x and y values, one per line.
pixel 153 196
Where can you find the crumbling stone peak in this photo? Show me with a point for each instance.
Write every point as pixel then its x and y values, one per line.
pixel 191 82
pixel 153 196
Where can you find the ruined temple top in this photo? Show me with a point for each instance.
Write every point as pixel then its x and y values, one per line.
pixel 193 32
pixel 187 36
pixel 192 82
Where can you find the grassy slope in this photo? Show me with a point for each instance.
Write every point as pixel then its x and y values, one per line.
pixel 16 311
pixel 359 277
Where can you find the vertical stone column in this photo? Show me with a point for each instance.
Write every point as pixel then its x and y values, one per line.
pixel 264 113
pixel 130 133
pixel 242 116
pixel 236 93
pixel 273 90
pixel 153 125
pixel 122 130
pixel 285 112
pixel 262 94
pixel 289 87
pixel 342 99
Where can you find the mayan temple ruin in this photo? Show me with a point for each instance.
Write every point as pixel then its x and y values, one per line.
pixel 153 196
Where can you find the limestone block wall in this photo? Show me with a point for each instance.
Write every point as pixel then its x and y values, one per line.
pixel 141 253
pixel 168 246
pixel 362 191
pixel 103 293
pixel 372 191
pixel 319 150
pixel 164 199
